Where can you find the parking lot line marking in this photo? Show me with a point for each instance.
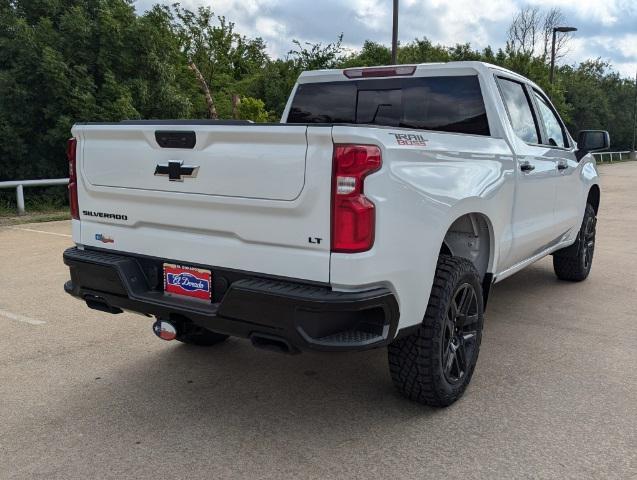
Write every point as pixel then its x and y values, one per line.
pixel 41 231
pixel 21 318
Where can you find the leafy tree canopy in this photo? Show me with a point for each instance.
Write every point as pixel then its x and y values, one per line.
pixel 67 61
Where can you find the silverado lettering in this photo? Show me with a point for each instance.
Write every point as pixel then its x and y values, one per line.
pixel 114 216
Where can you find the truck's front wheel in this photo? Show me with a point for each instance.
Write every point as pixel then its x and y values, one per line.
pixel 434 364
pixel 574 263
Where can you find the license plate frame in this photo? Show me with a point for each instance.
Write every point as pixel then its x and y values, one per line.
pixel 183 281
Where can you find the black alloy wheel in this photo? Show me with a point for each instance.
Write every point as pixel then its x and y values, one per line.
pixel 460 333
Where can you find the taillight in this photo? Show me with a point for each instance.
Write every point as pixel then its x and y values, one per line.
pixel 71 147
pixel 353 214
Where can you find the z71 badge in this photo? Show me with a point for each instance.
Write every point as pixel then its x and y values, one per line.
pixel 409 139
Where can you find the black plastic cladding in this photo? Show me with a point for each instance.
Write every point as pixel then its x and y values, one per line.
pixel 305 316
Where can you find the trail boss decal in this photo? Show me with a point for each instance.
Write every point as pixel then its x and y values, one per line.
pixel 410 139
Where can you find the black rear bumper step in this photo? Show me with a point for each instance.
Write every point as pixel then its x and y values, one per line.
pixel 305 316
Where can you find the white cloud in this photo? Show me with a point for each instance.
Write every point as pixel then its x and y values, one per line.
pixel 620 52
pixel 607 28
pixel 605 12
pixel 268 27
pixel 466 20
pixel 371 14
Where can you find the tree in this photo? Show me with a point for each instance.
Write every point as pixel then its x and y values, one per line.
pixel 551 19
pixel 67 61
pixel 372 53
pixel 316 56
pixel 523 31
pixel 253 109
pixel 273 84
pixel 531 33
pixel 226 61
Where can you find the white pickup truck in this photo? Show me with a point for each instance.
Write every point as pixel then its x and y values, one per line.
pixel 379 212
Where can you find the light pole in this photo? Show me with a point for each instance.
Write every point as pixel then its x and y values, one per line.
pixel 634 152
pixel 555 30
pixel 394 35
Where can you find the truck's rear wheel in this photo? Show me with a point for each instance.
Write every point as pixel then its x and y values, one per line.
pixel 434 364
pixel 574 263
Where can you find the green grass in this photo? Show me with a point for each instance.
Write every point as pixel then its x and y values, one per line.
pixel 42 205
pixel 10 216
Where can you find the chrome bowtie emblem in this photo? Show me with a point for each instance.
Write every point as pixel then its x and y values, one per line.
pixel 176 171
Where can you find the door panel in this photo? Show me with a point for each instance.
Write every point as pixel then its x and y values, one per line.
pixel 556 138
pixel 533 212
pixel 536 175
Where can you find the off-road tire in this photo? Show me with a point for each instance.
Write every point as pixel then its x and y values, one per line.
pixel 574 263
pixel 416 360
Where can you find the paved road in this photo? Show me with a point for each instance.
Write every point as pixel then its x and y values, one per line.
pixel 87 395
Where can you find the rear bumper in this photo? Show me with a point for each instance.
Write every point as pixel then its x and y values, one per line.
pixel 304 316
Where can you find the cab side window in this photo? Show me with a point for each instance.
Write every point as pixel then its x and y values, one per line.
pixel 520 112
pixel 555 134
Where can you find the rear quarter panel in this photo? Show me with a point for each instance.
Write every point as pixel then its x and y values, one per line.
pixel 419 192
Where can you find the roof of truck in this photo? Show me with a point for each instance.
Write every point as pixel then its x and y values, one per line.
pixel 458 68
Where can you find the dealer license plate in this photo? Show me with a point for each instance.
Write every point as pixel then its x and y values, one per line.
pixel 187 281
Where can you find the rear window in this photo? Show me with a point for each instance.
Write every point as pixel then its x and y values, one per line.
pixel 446 104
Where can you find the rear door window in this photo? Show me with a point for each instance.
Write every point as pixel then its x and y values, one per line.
pixel 520 112
pixel 446 104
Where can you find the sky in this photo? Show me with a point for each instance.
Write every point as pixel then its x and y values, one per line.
pixel 606 28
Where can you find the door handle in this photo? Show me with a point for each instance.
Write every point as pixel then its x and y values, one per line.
pixel 527 167
pixel 562 166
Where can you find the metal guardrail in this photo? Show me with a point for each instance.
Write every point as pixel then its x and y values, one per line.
pixel 610 156
pixel 20 184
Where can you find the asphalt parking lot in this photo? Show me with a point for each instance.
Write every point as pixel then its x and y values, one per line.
pixel 89 395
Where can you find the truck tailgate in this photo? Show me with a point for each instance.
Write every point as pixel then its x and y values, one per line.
pixel 246 197
pixel 235 161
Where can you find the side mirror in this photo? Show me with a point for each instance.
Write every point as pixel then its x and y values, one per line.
pixel 591 141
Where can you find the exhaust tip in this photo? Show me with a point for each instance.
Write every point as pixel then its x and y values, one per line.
pixel 98 303
pixel 165 330
pixel 272 343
